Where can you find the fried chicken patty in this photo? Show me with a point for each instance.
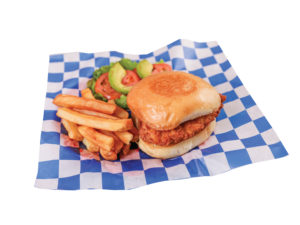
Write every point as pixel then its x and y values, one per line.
pixel 184 131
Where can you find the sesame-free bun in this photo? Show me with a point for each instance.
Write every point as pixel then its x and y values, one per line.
pixel 163 152
pixel 167 99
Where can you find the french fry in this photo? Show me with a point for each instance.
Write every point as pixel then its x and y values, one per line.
pixel 93 113
pixel 72 130
pixel 108 155
pixel 125 150
pixel 135 120
pixel 97 138
pixel 124 136
pixel 120 112
pixel 135 133
pixel 118 144
pixel 91 147
pixel 93 121
pixel 87 93
pixel 70 101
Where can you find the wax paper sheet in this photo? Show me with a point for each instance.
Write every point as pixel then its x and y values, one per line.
pixel 242 136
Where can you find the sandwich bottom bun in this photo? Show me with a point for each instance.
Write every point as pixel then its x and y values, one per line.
pixel 166 152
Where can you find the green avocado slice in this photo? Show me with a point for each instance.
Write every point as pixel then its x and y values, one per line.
pixel 122 101
pixel 115 76
pixel 128 64
pixel 144 68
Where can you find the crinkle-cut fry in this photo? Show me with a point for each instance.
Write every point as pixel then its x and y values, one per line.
pixel 87 93
pixel 94 113
pixel 93 121
pixel 71 101
pixel 97 138
pixel 108 155
pixel 125 150
pixel 91 147
pixel 124 136
pixel 120 112
pixel 72 130
pixel 118 144
pixel 135 133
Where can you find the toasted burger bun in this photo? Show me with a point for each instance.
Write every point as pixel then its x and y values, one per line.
pixel 163 152
pixel 165 100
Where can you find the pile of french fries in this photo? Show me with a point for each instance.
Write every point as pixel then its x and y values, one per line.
pixel 102 126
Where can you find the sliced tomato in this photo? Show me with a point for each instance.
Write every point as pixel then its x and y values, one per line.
pixel 161 67
pixel 131 78
pixel 103 87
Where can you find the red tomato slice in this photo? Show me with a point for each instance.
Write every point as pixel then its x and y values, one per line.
pixel 131 78
pixel 103 87
pixel 161 67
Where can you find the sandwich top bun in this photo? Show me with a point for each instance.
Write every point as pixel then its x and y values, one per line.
pixel 165 100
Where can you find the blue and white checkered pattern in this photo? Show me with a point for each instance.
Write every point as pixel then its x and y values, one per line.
pixel 242 135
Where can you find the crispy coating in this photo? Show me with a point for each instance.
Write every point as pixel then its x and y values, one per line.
pixel 182 132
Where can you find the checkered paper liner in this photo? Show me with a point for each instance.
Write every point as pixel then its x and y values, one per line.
pixel 242 135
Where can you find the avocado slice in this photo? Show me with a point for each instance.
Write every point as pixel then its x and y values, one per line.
pixel 144 68
pixel 128 64
pixel 122 101
pixel 115 76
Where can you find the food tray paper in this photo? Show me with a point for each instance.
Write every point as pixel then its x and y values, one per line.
pixel 242 136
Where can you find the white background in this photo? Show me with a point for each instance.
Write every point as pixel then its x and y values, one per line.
pixel 261 40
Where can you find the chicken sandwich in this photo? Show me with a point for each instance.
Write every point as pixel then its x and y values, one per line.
pixel 174 112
